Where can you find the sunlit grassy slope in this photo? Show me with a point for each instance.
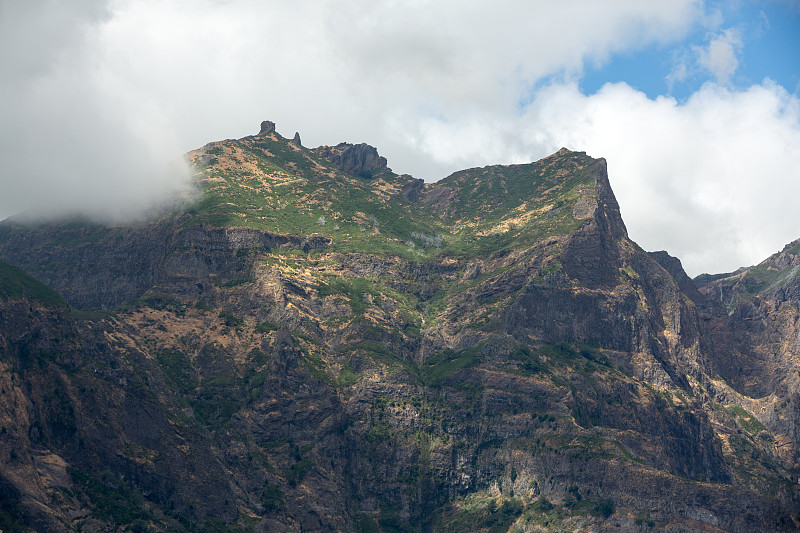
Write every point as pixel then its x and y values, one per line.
pixel 269 183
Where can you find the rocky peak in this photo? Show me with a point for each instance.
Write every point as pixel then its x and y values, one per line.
pixel 356 159
pixel 267 128
pixel 607 201
pixel 594 248
pixel 776 278
pixel 296 139
pixel 675 268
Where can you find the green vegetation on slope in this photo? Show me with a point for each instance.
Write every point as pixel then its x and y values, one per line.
pixel 269 184
pixel 497 207
pixel 273 185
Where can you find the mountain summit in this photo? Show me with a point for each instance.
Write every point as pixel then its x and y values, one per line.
pixel 316 343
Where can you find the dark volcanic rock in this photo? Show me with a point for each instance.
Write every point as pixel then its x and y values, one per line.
pixel 89 264
pixel 354 159
pixel 91 414
pixel 439 198
pixel 93 265
pixel 593 253
pixel 267 128
pixel 675 269
pixel 754 326
pixel 412 190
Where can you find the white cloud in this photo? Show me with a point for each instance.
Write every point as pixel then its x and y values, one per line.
pixel 36 34
pixel 763 25
pixel 109 92
pixel 77 137
pixel 720 57
pixel 713 180
pixel 98 95
pixel 678 73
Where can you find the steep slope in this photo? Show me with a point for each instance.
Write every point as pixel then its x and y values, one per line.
pixel 317 343
pixel 755 318
pixel 85 441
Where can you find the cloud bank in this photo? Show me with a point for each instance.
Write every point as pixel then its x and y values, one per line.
pixel 76 137
pixel 104 96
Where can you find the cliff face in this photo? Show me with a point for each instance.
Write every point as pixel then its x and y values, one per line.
pixel 754 316
pixel 308 349
pixel 95 266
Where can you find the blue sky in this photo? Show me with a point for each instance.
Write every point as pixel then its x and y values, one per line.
pixel 693 103
pixel 767 45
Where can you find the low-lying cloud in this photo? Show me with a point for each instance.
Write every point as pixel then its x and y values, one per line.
pixel 77 137
pixel 89 148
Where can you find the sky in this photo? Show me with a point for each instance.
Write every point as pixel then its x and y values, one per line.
pixel 694 104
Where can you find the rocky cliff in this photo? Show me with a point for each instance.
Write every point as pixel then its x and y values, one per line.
pixel 319 344
pixel 753 316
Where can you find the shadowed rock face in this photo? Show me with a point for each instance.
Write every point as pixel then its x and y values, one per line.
pixel 96 266
pixel 354 159
pixel 753 316
pixel 275 381
pixel 675 268
pixel 267 128
pixel 412 191
pixel 593 251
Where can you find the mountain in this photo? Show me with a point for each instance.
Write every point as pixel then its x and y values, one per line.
pixel 316 343
pixel 759 335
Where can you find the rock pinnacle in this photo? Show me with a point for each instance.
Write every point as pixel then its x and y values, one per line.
pixel 267 127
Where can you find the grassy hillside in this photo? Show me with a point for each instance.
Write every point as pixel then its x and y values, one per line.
pixel 269 183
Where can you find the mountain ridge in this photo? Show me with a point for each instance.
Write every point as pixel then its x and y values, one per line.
pixel 364 352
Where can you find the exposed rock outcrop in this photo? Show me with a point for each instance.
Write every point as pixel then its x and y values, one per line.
pixel 673 266
pixel 97 266
pixel 412 190
pixel 754 327
pixel 355 159
pixel 267 128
